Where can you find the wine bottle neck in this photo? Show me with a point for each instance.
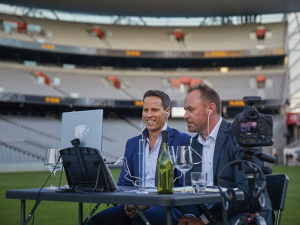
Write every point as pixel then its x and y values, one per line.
pixel 164 136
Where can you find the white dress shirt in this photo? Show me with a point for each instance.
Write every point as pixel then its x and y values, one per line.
pixel 151 159
pixel 208 151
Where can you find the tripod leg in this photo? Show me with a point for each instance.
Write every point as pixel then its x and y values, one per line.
pixel 224 215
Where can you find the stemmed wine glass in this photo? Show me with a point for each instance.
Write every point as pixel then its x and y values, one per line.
pixel 52 164
pixel 184 161
pixel 173 156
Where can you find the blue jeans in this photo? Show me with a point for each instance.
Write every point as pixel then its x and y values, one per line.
pixel 116 216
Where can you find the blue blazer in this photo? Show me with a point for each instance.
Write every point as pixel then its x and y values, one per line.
pixel 176 138
pixel 226 152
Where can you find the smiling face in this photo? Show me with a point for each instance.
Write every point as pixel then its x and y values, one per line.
pixel 154 115
pixel 196 113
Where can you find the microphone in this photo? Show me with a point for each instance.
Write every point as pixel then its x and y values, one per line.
pixel 267 170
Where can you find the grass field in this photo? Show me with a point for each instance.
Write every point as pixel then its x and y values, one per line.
pixel 67 213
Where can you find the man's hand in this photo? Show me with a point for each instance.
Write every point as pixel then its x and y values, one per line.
pixel 190 221
pixel 131 211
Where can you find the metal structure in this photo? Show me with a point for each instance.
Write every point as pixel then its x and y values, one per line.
pixel 293 38
pixel 166 8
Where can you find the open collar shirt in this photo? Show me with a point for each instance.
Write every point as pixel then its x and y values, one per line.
pixel 208 152
pixel 151 157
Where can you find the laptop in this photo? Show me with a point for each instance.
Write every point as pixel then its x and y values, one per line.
pixel 85 125
pixel 84 165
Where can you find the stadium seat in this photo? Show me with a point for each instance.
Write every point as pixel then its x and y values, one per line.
pixel 277 186
pixel 260 32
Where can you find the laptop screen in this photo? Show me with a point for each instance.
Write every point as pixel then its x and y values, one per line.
pixel 85 125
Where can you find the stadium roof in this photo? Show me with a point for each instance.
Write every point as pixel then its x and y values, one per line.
pixel 165 8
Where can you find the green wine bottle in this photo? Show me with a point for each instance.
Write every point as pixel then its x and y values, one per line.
pixel 164 168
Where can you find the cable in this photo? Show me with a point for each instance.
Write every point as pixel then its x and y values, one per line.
pixel 236 162
pixel 127 171
pixel 195 152
pixel 233 163
pixel 208 129
pixel 38 195
pixel 142 128
pixel 208 124
pixel 178 177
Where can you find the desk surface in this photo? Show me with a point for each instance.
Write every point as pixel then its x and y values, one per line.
pixel 129 198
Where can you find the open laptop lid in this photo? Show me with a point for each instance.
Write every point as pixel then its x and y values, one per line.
pixel 85 125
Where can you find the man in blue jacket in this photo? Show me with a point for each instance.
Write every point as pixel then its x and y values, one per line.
pixel 156 110
pixel 213 142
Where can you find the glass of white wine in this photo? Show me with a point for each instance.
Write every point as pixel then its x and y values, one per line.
pixel 52 163
pixel 184 161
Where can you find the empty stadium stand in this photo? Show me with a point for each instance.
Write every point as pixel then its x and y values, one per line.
pixel 22 81
pixel 25 139
pixel 147 38
pixel 91 83
pixel 87 85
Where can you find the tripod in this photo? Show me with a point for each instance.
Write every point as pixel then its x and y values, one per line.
pixel 253 218
pixel 256 193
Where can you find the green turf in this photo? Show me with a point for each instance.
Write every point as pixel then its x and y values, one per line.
pixel 291 215
pixel 67 213
pixel 47 212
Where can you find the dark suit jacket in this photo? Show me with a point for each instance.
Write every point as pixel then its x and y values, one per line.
pixel 176 138
pixel 226 152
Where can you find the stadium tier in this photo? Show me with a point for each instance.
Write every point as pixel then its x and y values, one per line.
pixel 22 81
pixel 145 38
pixel 95 83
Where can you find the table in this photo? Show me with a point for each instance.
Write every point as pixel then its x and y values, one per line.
pixel 129 198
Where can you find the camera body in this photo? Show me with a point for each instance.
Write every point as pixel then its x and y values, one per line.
pixel 252 128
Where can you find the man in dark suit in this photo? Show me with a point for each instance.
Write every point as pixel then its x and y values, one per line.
pixel 156 110
pixel 214 144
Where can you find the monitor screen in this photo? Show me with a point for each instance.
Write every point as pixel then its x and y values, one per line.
pixel 248 127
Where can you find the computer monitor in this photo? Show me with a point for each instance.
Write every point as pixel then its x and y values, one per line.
pixel 85 125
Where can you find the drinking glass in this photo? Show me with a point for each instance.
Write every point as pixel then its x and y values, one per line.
pixel 184 161
pixel 52 164
pixel 199 181
pixel 173 156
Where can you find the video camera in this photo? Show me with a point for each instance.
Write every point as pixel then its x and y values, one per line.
pixel 252 128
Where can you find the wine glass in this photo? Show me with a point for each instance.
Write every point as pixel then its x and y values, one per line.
pixel 184 161
pixel 173 156
pixel 52 163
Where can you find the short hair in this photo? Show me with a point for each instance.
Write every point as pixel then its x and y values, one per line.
pixel 207 94
pixel 164 97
